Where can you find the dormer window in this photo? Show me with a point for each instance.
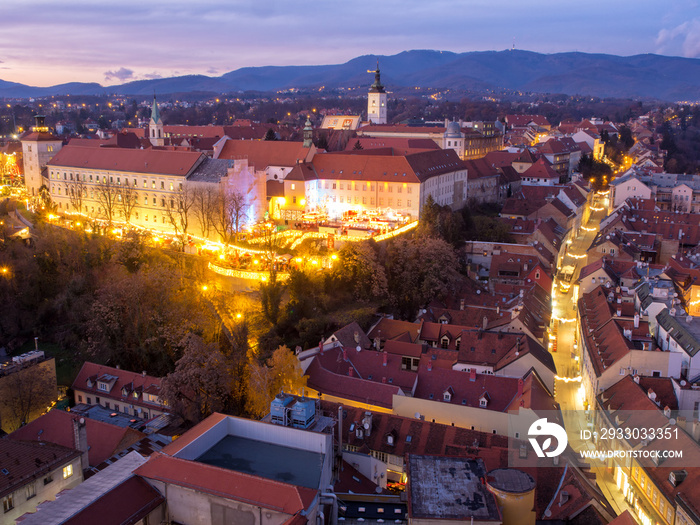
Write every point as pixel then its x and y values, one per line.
pixel 390 440
pixel 89 383
pixel 124 391
pixel 445 341
pixel 136 395
pixel 446 396
pixel 482 402
pixel 102 386
pixel 457 342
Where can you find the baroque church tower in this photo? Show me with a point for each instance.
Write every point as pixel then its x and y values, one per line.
pixel 155 126
pixel 376 100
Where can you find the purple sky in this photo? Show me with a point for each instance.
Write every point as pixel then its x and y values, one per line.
pixel 45 42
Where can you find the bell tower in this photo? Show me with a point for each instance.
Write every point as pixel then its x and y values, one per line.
pixel 155 126
pixel 376 100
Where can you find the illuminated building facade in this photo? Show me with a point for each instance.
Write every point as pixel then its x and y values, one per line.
pixel 38 147
pixel 338 184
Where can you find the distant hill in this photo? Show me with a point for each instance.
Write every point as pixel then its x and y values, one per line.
pixel 639 76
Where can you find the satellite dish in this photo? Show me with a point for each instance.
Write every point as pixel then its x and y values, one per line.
pixel 672 421
pixel 683 383
pixel 366 425
pixel 417 415
pixel 358 348
pixel 82 421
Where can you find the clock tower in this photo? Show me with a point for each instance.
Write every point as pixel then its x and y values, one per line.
pixel 376 100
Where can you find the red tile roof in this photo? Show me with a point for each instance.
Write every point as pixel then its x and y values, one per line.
pixel 126 504
pixel 541 169
pixel 104 440
pixel 264 153
pixel 124 384
pixel 26 461
pixel 156 161
pixel 399 145
pixel 229 484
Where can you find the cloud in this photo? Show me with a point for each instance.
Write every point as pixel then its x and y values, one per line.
pixel 683 39
pixel 212 71
pixel 121 74
pixel 152 76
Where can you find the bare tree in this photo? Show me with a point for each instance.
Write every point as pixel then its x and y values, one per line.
pixel 177 209
pixel 128 199
pixel 26 392
pixel 77 191
pixel 107 196
pixel 205 200
pixel 229 215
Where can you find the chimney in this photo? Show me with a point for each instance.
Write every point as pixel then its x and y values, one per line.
pixel 350 371
pixel 345 354
pixel 517 347
pixel 680 421
pixel 651 394
pixel 485 322
pixel 384 379
pixel 36 343
pixel 356 336
pixel 636 379
pixel 430 366
pixel 320 346
pixel 522 292
pixel 619 312
pixel 367 423
pixel 461 304
pixel 80 440
pixel 143 374
pixel 521 385
pixel 636 320
pixel 472 374
pixel 386 357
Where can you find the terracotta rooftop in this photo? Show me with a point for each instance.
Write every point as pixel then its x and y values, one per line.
pixel 228 484
pixel 26 461
pixel 160 162
pixel 264 153
pixel 56 427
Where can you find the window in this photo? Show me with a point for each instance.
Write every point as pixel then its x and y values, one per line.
pixel 294 186
pixel 30 490
pixel 80 399
pixel 145 183
pixel 171 186
pixel 408 204
pixel 8 502
pixel 97 400
pixel 153 184
pixel 67 471
pixel 103 386
pixel 162 185
pixel 48 479
pixel 482 402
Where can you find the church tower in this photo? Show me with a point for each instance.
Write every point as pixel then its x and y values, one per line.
pixel 38 148
pixel 376 100
pixel 308 133
pixel 155 126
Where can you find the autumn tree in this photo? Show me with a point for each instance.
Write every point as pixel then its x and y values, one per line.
pixel 359 269
pixel 271 298
pixel 282 372
pixel 200 383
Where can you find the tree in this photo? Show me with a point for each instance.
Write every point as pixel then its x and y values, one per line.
pixel 107 196
pixel 229 214
pixel 200 384
pixel 204 207
pixel 128 199
pixel 270 298
pixel 281 373
pixel 360 269
pixel 418 271
pixel 26 393
pixel 358 145
pixel 177 209
pixel 270 135
pixel 76 193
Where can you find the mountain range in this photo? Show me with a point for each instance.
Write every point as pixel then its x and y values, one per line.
pixel 639 76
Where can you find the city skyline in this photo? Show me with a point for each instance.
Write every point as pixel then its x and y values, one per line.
pixel 45 44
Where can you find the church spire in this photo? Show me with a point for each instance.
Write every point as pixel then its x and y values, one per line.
pixel 377 86
pixel 155 114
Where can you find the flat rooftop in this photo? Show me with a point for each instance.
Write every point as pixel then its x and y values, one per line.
pixel 267 460
pixel 443 487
